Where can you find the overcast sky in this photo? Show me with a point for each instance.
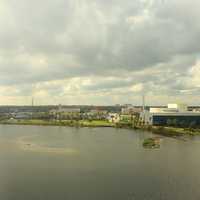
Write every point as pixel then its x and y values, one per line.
pixel 99 51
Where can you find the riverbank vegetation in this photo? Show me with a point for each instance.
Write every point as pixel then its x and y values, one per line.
pixel 151 143
pixel 73 123
pixel 171 131
pixel 165 131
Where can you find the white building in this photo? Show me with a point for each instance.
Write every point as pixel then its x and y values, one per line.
pixel 130 110
pixel 113 117
pixel 173 113
pixel 65 110
pixel 178 107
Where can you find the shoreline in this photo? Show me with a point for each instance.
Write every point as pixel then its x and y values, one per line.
pixel 67 123
pixel 171 131
pixel 159 130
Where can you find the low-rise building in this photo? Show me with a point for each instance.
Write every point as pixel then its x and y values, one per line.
pixel 65 110
pixel 113 117
pixel 97 114
pixel 174 114
pixel 130 110
pixel 65 113
pixel 126 118
pixel 22 115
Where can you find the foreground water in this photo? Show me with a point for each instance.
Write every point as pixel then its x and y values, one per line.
pixel 62 163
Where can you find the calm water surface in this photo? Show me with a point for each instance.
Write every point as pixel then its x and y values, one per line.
pixel 61 163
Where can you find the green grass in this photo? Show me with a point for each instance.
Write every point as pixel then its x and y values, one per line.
pixel 175 131
pixel 96 123
pixel 84 123
pixel 166 131
pixel 151 143
pixel 170 131
pixel 123 124
pixel 29 122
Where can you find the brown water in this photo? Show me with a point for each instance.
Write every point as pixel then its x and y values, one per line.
pixel 62 163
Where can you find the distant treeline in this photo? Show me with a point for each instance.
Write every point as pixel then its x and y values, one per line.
pixel 83 108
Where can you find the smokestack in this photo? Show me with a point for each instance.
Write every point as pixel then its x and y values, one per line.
pixel 32 101
pixel 143 103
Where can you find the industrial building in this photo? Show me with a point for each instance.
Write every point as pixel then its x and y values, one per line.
pixel 63 110
pixel 130 110
pixel 173 115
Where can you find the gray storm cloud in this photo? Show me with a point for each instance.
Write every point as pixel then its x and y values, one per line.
pixel 109 48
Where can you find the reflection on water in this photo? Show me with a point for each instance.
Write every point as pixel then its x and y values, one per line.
pixel 48 163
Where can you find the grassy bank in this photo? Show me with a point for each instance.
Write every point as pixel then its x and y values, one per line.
pixel 151 143
pixel 73 123
pixel 96 123
pixel 171 131
pixel 165 131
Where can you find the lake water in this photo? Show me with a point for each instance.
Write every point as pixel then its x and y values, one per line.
pixel 62 163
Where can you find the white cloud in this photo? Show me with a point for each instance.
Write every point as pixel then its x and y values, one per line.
pixel 137 87
pixel 98 52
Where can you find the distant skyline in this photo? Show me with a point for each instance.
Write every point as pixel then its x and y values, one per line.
pixel 99 52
